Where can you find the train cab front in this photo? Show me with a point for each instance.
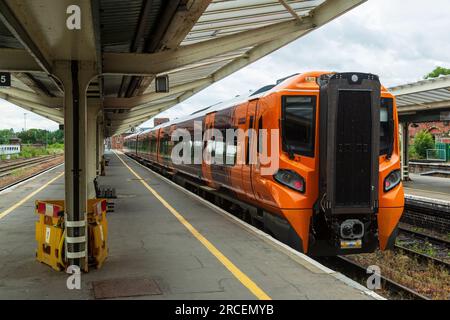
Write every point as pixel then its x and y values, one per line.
pixel 360 197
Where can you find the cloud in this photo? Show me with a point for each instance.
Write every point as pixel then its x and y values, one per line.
pixel 13 117
pixel 399 40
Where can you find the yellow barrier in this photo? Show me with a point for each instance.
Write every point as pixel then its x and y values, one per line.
pixel 50 233
pixel 98 231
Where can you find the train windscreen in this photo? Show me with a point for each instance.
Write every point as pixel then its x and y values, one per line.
pixel 298 124
pixel 386 126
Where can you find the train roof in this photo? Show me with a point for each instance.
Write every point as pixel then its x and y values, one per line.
pixel 282 83
pixel 223 105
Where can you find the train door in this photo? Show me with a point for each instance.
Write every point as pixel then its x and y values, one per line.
pixel 208 144
pixel 262 193
pixel 249 144
pixel 159 135
pixel 220 170
pixel 239 123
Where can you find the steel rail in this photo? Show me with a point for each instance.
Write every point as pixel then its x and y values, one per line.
pixel 10 167
pixel 3 188
pixel 354 270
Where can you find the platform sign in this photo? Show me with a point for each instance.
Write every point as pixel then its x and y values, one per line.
pixel 5 79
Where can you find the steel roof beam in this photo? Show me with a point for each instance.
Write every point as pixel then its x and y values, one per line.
pixel 169 36
pixel 11 22
pixel 421 86
pixel 423 106
pixel 135 115
pixel 154 63
pixel 324 13
pixel 17 60
pixel 321 15
pixel 32 97
pixel 128 103
pixel 289 9
pixel 29 80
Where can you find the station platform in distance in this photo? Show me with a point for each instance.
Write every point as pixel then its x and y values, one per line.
pixel 434 188
pixel 164 243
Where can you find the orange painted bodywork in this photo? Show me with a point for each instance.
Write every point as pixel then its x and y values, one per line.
pixel 250 186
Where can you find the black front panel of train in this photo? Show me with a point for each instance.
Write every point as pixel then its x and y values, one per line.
pixel 353 149
pixel 349 143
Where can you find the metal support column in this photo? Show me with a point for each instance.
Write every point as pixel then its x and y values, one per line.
pixel 92 130
pixel 405 149
pixel 100 142
pixel 75 77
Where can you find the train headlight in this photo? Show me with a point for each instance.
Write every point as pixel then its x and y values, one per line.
pixel 290 179
pixel 392 180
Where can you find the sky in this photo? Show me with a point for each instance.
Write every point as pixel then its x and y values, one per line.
pixel 400 40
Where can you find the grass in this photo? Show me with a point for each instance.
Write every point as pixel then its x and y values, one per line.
pixel 32 152
pixel 428 279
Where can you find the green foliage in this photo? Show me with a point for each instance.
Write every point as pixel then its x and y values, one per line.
pixel 38 136
pixel 33 136
pixel 423 141
pixel 5 135
pixel 412 153
pixel 437 72
pixel 52 142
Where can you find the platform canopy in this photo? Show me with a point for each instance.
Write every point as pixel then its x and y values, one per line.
pixel 194 42
pixel 425 100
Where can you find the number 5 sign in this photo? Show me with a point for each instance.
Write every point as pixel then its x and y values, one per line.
pixel 5 79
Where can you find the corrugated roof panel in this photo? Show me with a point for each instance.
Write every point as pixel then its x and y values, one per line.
pixel 119 21
pixel 227 17
pixel 423 92
pixel 7 40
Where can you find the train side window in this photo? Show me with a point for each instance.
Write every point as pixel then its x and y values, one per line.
pixel 231 153
pixel 298 124
pixel 386 126
pixel 219 152
pixel 210 148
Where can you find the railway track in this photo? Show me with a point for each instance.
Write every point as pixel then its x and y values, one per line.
pixel 356 271
pixel 438 244
pixel 2 188
pixel 425 236
pixel 8 168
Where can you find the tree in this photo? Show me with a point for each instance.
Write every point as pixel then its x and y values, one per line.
pixel 437 72
pixel 5 135
pixel 423 141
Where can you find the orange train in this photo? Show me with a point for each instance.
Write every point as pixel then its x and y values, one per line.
pixel 337 189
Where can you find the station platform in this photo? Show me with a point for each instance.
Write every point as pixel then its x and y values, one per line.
pixel 158 232
pixel 434 188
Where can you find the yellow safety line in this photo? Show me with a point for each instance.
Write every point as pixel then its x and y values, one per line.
pixel 18 204
pixel 242 277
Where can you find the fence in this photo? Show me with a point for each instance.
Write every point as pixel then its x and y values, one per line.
pixel 9 149
pixel 436 155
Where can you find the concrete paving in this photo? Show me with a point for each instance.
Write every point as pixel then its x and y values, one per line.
pixel 428 187
pixel 147 241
